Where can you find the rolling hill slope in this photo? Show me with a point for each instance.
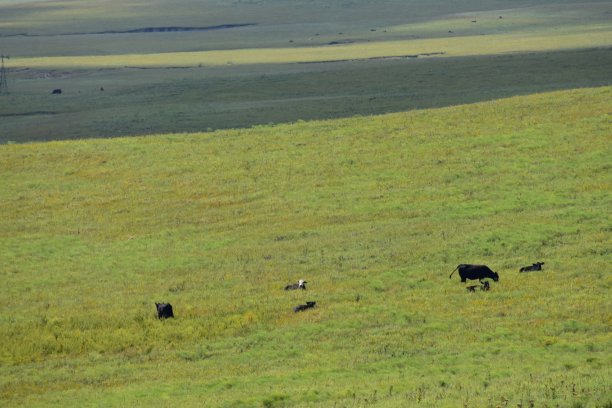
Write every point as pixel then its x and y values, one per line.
pixel 374 212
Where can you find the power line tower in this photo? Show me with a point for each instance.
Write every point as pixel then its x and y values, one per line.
pixel 3 84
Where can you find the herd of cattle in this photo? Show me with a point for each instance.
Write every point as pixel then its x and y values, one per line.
pixel 301 285
pixel 480 272
pixel 466 272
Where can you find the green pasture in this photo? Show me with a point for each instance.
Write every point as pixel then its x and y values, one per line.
pixel 373 211
pixel 305 19
pixel 291 60
pixel 231 186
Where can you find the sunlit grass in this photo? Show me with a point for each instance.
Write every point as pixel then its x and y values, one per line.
pixel 374 212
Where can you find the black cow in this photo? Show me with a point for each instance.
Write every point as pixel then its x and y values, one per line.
pixel 535 267
pixel 164 310
pixel 471 288
pixel 300 285
pixel 56 91
pixel 467 271
pixel 301 308
pixel 485 286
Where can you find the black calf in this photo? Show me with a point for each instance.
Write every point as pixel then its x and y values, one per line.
pixel 164 310
pixel 301 308
pixel 535 267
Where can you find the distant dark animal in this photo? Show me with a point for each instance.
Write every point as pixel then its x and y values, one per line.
pixel 164 310
pixel 467 271
pixel 102 89
pixel 485 286
pixel 471 288
pixel 56 91
pixel 300 285
pixel 301 308
pixel 535 267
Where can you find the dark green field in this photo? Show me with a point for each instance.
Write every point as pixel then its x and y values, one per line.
pixel 136 102
pixel 496 57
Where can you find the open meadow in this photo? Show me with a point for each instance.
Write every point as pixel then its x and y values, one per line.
pixel 374 212
pixel 207 153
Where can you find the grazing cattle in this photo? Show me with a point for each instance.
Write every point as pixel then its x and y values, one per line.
pixel 471 288
pixel 300 285
pixel 467 271
pixel 56 91
pixel 164 310
pixel 301 308
pixel 485 286
pixel 535 267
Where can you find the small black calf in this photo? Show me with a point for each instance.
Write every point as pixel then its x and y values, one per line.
pixel 164 310
pixel 56 91
pixel 301 308
pixel 471 288
pixel 535 267
pixel 485 286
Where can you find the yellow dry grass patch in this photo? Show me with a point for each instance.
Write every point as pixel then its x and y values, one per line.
pixel 545 40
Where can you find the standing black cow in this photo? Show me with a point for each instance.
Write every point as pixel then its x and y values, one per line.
pixel 535 267
pixel 164 310
pixel 56 91
pixel 467 271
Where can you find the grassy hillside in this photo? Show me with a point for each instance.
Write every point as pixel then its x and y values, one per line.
pixel 374 212
pixel 192 65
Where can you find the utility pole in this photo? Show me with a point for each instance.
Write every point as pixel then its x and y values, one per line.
pixel 3 84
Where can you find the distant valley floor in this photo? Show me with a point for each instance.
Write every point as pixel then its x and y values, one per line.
pixel 131 101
